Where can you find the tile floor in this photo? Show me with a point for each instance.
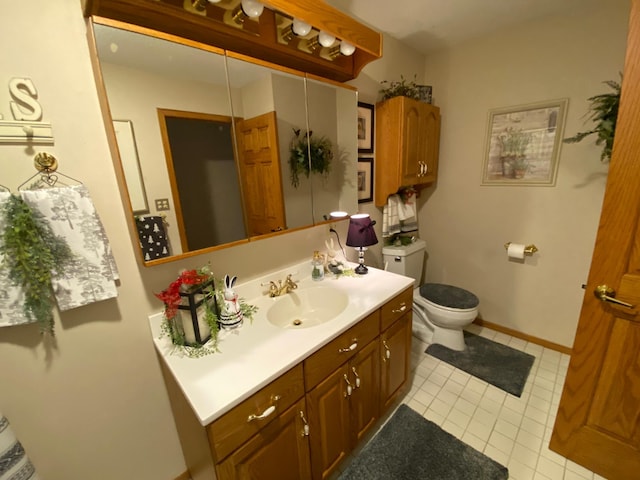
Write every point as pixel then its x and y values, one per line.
pixel 513 431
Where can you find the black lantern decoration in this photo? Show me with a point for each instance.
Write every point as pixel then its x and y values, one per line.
pixel 192 312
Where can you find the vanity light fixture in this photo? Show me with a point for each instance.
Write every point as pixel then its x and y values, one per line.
pixel 361 235
pixel 298 28
pixel 323 39
pixel 247 9
pixel 198 6
pixel 345 48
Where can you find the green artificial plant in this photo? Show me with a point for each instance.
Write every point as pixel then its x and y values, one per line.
pixel 603 111
pixel 402 88
pixel 303 147
pixel 32 253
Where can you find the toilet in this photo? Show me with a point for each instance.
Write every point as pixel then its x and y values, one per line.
pixel 441 312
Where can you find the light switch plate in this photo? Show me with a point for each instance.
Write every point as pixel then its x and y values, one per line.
pixel 162 204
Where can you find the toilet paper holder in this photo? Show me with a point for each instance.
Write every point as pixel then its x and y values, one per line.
pixel 528 250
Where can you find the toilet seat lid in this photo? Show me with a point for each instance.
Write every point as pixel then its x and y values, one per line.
pixel 449 296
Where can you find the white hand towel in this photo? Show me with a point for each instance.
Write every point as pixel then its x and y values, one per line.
pixel 71 214
pixel 407 214
pixel 14 462
pixel 390 218
pixel 11 296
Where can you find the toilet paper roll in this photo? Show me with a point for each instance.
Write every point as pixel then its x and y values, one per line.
pixel 516 250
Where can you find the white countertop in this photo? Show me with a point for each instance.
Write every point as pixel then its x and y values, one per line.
pixel 259 352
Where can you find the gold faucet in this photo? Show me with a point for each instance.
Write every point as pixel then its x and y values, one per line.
pixel 282 287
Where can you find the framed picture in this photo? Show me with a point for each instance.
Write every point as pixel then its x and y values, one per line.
pixel 365 128
pixel 365 180
pixel 131 165
pixel 523 144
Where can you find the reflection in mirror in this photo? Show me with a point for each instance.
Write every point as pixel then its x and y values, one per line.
pixel 333 117
pixel 146 76
pixel 268 106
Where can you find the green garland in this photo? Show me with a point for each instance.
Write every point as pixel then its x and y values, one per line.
pixel 31 253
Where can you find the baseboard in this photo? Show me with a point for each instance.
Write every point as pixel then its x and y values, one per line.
pixel 183 476
pixel 529 338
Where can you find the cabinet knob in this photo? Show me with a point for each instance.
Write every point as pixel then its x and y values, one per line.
pixel 305 429
pixel 350 348
pixel 403 307
pixel 353 369
pixel 349 386
pixel 387 351
pixel 267 412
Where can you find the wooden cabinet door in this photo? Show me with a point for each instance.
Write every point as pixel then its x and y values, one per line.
pixel 364 372
pixel 328 407
pixel 429 142
pixel 412 143
pixel 280 450
pixel 395 351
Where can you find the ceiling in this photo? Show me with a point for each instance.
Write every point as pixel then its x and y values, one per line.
pixel 429 25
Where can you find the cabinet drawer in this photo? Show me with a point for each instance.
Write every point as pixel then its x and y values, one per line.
pixel 319 365
pixel 234 428
pixel 395 308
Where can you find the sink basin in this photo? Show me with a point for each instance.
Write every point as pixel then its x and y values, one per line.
pixel 307 307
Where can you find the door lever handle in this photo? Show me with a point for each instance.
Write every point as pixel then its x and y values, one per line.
pixel 607 294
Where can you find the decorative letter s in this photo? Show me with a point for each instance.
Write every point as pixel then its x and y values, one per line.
pixel 25 107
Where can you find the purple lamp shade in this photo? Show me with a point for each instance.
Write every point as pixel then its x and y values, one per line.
pixel 361 235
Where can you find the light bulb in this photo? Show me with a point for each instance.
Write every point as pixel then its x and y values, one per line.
pixel 300 28
pixel 325 39
pixel 213 1
pixel 346 48
pixel 251 8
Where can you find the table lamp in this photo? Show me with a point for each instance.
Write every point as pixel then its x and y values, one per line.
pixel 360 236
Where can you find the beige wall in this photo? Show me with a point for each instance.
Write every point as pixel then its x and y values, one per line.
pixel 92 404
pixel 465 225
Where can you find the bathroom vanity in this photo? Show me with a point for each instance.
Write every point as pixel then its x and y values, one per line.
pixel 291 401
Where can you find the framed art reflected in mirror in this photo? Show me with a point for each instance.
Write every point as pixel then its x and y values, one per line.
pixel 365 128
pixel 365 180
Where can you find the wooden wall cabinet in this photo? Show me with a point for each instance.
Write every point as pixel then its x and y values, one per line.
pixel 305 423
pixel 407 145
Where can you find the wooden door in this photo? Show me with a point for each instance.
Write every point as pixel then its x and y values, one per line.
pixel 364 371
pixel 328 408
pixel 395 351
pixel 260 174
pixel 598 421
pixel 280 450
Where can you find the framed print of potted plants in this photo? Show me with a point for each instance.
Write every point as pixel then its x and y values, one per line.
pixel 523 144
pixel 365 128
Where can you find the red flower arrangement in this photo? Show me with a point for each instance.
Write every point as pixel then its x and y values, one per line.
pixel 171 295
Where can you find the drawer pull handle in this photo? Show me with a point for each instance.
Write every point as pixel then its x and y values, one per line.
pixel 353 369
pixel 266 413
pixel 403 307
pixel 350 348
pixel 387 351
pixel 349 387
pixel 305 429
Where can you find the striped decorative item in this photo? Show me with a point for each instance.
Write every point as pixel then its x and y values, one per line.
pixel 14 463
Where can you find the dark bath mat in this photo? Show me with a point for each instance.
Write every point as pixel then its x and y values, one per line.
pixel 410 447
pixel 497 364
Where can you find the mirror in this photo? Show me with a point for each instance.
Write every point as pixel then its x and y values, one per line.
pixel 158 86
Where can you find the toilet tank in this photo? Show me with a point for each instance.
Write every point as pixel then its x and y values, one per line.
pixel 407 260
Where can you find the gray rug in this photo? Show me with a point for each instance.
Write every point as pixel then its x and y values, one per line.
pixel 497 364
pixel 409 447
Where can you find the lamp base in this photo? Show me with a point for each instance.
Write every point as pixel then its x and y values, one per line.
pixel 361 270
